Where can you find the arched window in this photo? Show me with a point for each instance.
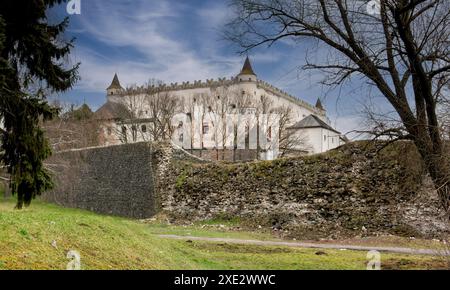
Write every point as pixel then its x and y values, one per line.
pixel 144 128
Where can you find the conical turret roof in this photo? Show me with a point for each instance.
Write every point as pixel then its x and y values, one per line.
pixel 247 68
pixel 115 84
pixel 319 105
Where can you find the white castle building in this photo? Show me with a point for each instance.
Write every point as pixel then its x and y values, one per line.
pixel 216 115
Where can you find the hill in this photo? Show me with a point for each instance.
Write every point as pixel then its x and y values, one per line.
pixel 41 236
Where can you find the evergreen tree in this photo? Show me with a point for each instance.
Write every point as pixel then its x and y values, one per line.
pixel 83 113
pixel 32 64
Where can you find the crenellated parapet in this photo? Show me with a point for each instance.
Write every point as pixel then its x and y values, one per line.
pixel 278 92
pixel 215 83
pixel 199 84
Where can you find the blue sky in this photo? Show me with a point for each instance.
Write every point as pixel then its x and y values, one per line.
pixel 181 40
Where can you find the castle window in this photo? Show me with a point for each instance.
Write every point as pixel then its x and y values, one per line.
pixel 180 138
pixel 180 125
pixel 124 130
pixel 249 79
pixel 205 128
pixel 247 137
pixel 134 133
pixel 144 128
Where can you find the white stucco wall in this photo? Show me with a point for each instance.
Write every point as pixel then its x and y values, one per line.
pixel 319 139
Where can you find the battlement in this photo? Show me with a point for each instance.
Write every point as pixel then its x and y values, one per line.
pixel 277 91
pixel 220 82
pixel 209 83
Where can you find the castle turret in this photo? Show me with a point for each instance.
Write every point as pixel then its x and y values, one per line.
pixel 115 88
pixel 319 105
pixel 247 74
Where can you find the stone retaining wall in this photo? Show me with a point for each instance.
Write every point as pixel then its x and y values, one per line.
pixel 116 180
pixel 346 192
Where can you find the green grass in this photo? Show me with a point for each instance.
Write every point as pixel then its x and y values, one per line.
pixel 212 228
pixel 106 242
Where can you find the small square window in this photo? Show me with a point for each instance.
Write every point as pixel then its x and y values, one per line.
pixel 205 129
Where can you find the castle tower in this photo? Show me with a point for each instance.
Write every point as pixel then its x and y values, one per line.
pixel 247 74
pixel 115 88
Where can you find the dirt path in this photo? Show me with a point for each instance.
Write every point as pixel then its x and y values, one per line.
pixel 311 245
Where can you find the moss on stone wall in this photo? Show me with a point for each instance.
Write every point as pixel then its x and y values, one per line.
pixel 346 191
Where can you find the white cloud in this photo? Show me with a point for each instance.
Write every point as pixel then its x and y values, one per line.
pixel 150 40
pixel 149 30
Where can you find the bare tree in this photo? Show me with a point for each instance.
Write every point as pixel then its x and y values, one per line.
pixel 132 124
pixel 73 128
pixel 291 142
pixel 162 107
pixel 402 50
pixel 148 114
pixel 222 99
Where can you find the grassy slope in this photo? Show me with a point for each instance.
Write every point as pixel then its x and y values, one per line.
pixel 115 243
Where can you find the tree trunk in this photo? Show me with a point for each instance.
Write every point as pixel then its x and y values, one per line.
pixel 437 165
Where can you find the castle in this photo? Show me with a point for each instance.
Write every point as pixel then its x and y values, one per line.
pixel 217 115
